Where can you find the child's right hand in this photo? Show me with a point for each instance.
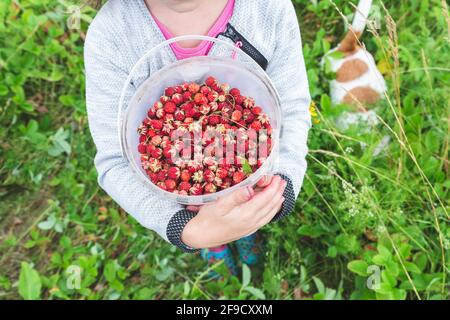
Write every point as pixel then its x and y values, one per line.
pixel 237 215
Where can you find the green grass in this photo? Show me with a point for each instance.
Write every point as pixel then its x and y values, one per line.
pixel 356 210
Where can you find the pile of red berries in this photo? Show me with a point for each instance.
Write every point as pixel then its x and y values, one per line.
pixel 196 110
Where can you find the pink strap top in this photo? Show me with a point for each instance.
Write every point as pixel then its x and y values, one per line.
pixel 203 48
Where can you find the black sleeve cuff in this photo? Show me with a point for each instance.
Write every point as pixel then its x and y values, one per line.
pixel 289 202
pixel 175 228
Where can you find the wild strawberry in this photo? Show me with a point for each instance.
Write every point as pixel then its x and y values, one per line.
pixel 256 110
pixel 156 140
pixel 205 90
pixel 169 152
pixel 160 113
pixel 200 98
pixel 235 92
pixel 196 189
pixel 177 98
pixel 170 184
pixel 151 113
pixel 151 133
pixel 193 88
pixel 179 115
pixel 153 164
pixel 222 173
pixel 210 188
pixel 184 186
pixel 185 86
pixel 239 100
pixel 260 162
pixel 198 176
pixel 225 87
pixel 164 99
pixel 190 113
pixel 213 96
pixel 162 175
pixel 178 89
pixel 170 91
pixel 156 153
pixel 256 125
pixel 187 96
pixel 157 124
pixel 249 103
pixel 213 120
pixel 209 175
pixel 157 105
pixel 238 176
pixel 226 183
pixel 185 175
pixel 210 81
pixel 142 138
pixel 170 107
pixel 142 148
pixel 188 120
pixel 222 98
pixel 174 173
pixel 162 185
pixel 168 118
pixel 218 181
pixel 193 166
pixel 213 105
pixel 236 115
pixel 204 109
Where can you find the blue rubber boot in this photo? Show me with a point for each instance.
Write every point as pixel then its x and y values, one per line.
pixel 213 255
pixel 249 249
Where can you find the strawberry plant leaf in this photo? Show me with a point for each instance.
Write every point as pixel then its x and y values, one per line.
pixel 29 282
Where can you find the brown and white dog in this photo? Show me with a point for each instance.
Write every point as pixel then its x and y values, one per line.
pixel 358 81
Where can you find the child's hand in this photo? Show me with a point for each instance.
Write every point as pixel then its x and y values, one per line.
pixel 235 216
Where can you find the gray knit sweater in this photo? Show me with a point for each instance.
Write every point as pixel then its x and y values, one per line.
pixel 122 32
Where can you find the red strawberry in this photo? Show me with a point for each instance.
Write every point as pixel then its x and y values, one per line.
pixel 200 98
pixel 170 91
pixel 256 110
pixel 156 140
pixel 170 184
pixel 193 88
pixel 210 81
pixel 238 176
pixel 256 125
pixel 156 153
pixel 179 89
pixel 213 96
pixel 174 173
pixel 142 148
pixel 185 186
pixel 164 99
pixel 162 185
pixel 222 173
pixel 236 115
pixel 185 175
pixel 179 115
pixel 157 124
pixel 177 98
pixel 210 188
pixel 209 175
pixel 142 138
pixel 160 113
pixel 239 100
pixel 162 175
pixel 205 90
pixel 235 92
pixel 196 189
pixel 213 120
pixel 187 96
pixel 170 107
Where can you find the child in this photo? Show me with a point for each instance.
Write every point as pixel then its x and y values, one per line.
pixel 121 33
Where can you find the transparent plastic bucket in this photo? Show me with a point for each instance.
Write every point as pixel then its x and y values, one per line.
pixel 250 79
